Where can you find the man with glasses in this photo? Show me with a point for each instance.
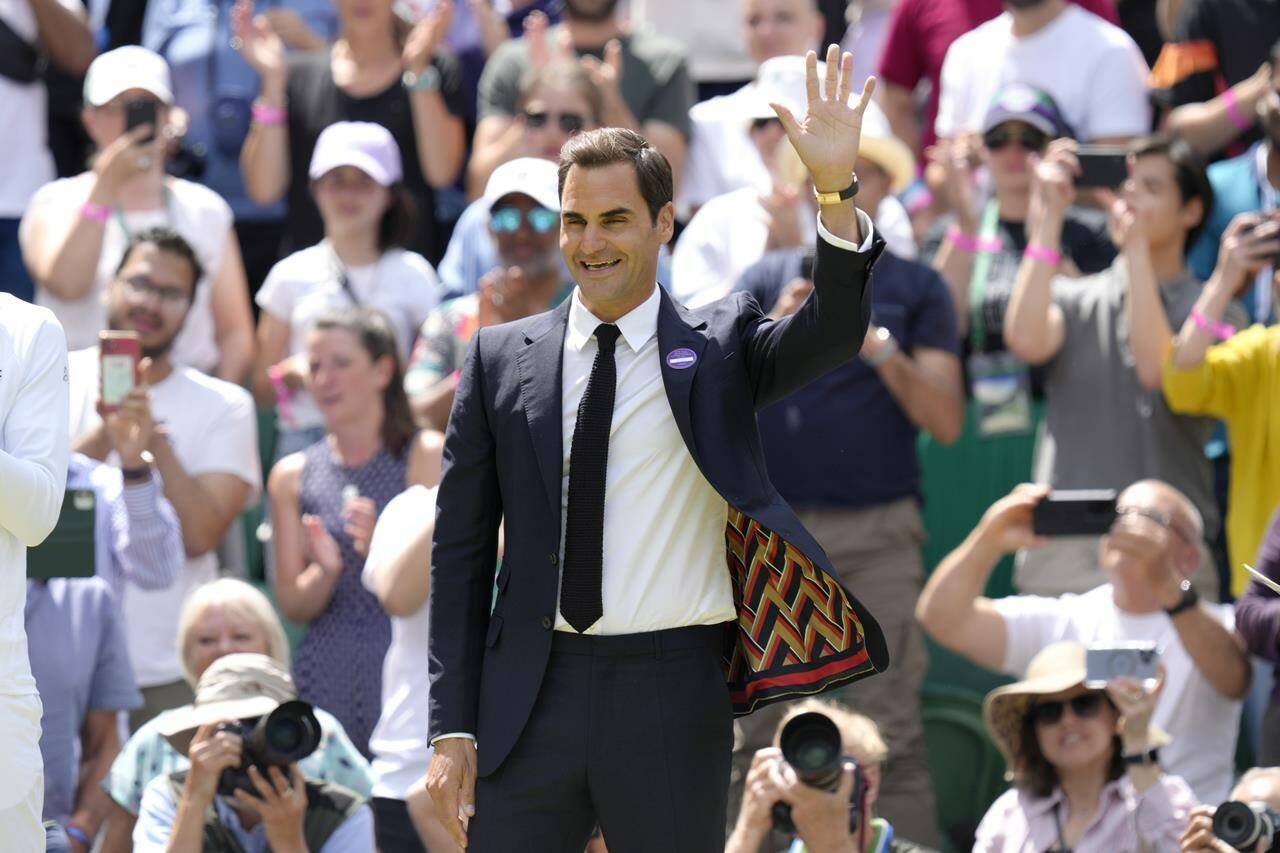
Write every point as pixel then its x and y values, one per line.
pixel 204 449
pixel 524 226
pixel 1152 548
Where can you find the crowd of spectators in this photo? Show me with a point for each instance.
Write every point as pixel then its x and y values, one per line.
pixel 304 212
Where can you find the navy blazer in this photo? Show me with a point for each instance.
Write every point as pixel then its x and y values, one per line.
pixel 798 631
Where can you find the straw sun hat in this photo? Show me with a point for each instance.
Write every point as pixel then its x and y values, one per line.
pixel 234 687
pixel 1056 669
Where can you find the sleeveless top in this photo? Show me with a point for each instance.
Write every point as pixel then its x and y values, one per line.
pixel 338 665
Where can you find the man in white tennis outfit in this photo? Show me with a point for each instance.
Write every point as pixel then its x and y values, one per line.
pixel 33 477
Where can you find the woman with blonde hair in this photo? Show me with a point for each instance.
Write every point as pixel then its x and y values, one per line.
pixel 1084 762
pixel 220 618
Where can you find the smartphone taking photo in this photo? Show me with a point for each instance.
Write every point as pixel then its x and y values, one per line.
pixel 1078 512
pixel 1106 663
pixel 119 354
pixel 138 113
pixel 1102 166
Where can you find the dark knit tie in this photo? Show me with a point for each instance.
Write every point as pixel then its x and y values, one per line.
pixel 580 600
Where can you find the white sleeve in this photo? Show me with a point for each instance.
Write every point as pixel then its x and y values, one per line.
pixel 864 225
pixel 278 292
pixel 34 444
pixel 1031 622
pixel 1118 104
pixel 395 528
pixel 951 94
pixel 156 815
pixel 699 267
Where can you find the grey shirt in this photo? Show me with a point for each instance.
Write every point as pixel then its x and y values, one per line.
pixel 655 78
pixel 1102 429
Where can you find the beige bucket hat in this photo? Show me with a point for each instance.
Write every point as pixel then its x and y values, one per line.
pixel 234 687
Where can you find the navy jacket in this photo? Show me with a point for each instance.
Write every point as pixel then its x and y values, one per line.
pixel 798 631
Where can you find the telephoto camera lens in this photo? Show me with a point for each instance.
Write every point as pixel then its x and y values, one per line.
pixel 285 736
pixel 810 743
pixel 1243 825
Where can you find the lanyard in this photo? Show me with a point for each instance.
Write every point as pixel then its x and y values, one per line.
pixel 988 245
pixel 1062 847
pixel 344 280
pixel 165 193
pixel 1267 196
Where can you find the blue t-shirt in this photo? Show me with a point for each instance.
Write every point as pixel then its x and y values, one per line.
pixel 843 441
pixel 76 644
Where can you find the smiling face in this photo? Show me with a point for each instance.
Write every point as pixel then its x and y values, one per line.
pixel 220 630
pixel 1077 741
pixel 344 380
pixel 608 239
pixel 151 295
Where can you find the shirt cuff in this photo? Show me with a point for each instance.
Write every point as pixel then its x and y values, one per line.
pixel 140 497
pixel 448 735
pixel 864 225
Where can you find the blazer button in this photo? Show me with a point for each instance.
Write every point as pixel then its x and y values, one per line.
pixel 553 558
pixel 546 622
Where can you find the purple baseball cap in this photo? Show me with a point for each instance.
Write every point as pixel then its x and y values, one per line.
pixel 1020 102
pixel 367 146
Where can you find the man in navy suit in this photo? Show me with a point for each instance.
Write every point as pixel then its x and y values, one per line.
pixel 648 561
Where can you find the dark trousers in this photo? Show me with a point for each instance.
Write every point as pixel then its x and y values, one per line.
pixel 632 732
pixel 393 827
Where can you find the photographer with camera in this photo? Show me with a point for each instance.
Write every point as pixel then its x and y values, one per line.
pixel 1249 821
pixel 1147 555
pixel 1084 762
pixel 244 735
pixel 828 805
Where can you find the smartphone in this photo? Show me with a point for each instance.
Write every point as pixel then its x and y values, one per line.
pixel 138 113
pixel 1272 216
pixel 1102 166
pixel 1104 663
pixel 1083 512
pixel 119 354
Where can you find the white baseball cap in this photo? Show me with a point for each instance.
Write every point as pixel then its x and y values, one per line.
pixel 123 69
pixel 532 176
pixel 367 146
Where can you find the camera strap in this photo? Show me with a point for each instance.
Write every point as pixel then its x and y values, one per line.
pixel 165 193
pixel 1062 847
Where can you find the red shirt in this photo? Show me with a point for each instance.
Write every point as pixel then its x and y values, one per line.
pixel 922 30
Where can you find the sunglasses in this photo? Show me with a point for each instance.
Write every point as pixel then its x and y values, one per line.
pixel 506 220
pixel 1086 706
pixel 1159 517
pixel 758 124
pixel 1029 138
pixel 570 123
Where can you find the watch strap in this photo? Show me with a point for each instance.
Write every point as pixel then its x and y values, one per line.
pixel 837 197
pixel 1190 598
pixel 428 80
pixel 136 475
pixel 1151 756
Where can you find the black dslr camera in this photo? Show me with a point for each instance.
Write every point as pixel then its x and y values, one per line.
pixel 811 745
pixel 1243 825
pixel 285 736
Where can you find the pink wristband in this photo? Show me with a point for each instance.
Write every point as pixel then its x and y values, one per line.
pixel 284 397
pixel 1233 111
pixel 99 213
pixel 264 114
pixel 1037 252
pixel 1221 331
pixel 961 240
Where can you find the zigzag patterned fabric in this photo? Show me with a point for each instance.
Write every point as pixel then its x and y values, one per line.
pixel 777 590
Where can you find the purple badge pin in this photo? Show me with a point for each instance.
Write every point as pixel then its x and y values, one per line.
pixel 679 359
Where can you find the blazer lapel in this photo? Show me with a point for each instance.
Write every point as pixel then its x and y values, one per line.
pixel 679 329
pixel 541 365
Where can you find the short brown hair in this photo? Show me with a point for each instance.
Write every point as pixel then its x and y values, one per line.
pixel 567 74
pixel 608 145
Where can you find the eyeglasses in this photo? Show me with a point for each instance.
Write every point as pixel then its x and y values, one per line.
pixel 761 123
pixel 570 123
pixel 141 287
pixel 1031 139
pixel 1086 706
pixel 506 220
pixel 1160 517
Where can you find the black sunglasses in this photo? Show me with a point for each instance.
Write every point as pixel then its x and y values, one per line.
pixel 1086 706
pixel 1031 139
pixel 762 123
pixel 569 122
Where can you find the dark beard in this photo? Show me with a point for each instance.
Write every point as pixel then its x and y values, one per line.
pixel 1022 4
pixel 595 12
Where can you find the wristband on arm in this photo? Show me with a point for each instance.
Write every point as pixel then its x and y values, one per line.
pixel 99 213
pixel 1221 331
pixel 284 397
pixel 1233 111
pixel 1036 252
pixel 263 114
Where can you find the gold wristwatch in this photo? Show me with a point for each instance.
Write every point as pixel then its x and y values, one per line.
pixel 838 197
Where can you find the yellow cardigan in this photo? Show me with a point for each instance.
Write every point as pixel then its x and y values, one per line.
pixel 1239 383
